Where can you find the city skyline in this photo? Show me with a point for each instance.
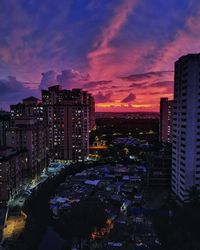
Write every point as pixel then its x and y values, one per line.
pixel 105 48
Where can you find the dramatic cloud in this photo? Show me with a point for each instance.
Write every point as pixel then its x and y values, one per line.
pixel 48 79
pixel 12 91
pixel 147 76
pixel 68 78
pixel 110 55
pixel 123 90
pixel 100 97
pixel 186 40
pixel 166 84
pixel 71 75
pixel 102 45
pixel 94 84
pixel 139 85
pixel 131 97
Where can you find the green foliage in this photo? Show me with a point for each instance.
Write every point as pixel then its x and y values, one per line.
pixel 83 218
pixel 193 196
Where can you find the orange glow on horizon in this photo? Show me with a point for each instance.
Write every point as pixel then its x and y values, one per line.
pixel 124 107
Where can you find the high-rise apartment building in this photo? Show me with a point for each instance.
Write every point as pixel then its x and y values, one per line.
pixel 186 126
pixel 29 134
pixel 13 169
pixel 30 107
pixel 70 116
pixel 29 130
pixel 165 126
pixel 4 125
pixel 55 128
pixel 91 102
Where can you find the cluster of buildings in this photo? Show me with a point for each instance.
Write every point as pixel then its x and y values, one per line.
pixel 35 132
pixel 57 128
pixel 180 125
pixel 130 141
pixel 120 189
pixel 127 115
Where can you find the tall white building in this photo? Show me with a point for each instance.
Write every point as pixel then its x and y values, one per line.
pixel 186 126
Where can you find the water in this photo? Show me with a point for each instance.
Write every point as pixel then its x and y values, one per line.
pixel 39 233
pixel 51 241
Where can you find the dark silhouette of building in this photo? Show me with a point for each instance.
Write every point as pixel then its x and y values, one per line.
pixel 13 169
pixel 4 125
pixel 165 126
pixel 159 172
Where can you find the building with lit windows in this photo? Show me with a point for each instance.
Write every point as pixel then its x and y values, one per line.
pixel 186 126
pixel 13 172
pixel 30 107
pixel 165 125
pixel 29 130
pixel 70 115
pixel 29 134
pixel 4 125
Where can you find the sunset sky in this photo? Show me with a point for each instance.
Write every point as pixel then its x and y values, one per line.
pixel 122 51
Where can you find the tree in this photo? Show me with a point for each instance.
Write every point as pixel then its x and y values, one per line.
pixel 193 196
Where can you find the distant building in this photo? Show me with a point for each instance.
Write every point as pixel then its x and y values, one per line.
pixel 4 125
pixel 186 126
pixel 165 126
pixel 13 169
pixel 127 115
pixel 70 116
pixel 91 103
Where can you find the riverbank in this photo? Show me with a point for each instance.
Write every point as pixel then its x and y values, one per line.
pixel 36 207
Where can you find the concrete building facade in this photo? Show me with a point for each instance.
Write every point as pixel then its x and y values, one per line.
pixel 4 125
pixel 13 172
pixel 186 126
pixel 29 134
pixel 70 116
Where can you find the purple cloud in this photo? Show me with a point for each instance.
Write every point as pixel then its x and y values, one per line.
pixel 71 74
pixel 139 85
pixel 48 79
pixel 68 78
pixel 146 76
pixel 162 84
pixel 131 97
pixel 95 84
pixel 100 97
pixel 13 91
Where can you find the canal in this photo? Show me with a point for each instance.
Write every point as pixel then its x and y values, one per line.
pixel 39 233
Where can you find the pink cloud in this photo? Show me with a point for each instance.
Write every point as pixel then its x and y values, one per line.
pixel 186 40
pixel 113 28
pixel 101 98
pixel 102 55
pixel 129 98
